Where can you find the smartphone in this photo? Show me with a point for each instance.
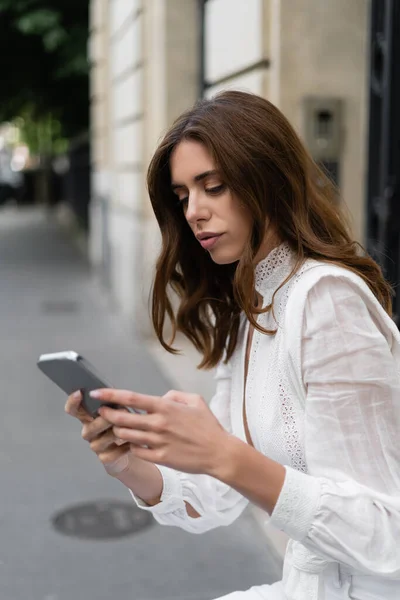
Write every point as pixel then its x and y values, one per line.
pixel 71 372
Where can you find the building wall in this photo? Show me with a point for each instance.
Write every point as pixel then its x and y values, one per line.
pixel 324 52
pixel 100 130
pixel 145 61
pixel 117 136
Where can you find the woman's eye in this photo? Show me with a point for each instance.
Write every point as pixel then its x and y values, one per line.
pixel 216 190
pixel 213 191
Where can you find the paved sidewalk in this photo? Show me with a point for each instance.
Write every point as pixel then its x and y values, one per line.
pixel 48 303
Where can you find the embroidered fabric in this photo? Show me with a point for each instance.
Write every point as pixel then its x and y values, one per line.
pixel 292 513
pixel 269 271
pixel 291 426
pixel 287 448
pixel 290 409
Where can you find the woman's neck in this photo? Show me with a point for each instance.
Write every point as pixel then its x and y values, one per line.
pixel 270 242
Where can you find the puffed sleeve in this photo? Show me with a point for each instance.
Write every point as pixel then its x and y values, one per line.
pixel 216 503
pixel 347 507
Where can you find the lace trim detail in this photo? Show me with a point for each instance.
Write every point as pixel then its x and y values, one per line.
pixel 270 274
pixel 291 436
pixel 285 506
pixel 271 269
pixel 297 504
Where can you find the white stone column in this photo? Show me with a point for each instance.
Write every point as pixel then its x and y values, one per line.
pixel 172 61
pixel 145 60
pixel 99 129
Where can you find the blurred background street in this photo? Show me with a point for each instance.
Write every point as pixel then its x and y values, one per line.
pixel 88 88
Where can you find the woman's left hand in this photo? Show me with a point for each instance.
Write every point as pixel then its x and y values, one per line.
pixel 178 429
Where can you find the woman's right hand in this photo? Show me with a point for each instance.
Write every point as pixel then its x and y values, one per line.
pixel 113 454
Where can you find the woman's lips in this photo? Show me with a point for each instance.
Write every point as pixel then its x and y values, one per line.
pixel 208 243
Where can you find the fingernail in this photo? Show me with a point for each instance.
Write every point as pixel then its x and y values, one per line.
pixel 76 395
pixel 95 394
pixel 119 442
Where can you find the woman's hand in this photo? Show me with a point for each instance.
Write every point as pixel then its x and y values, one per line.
pixel 113 453
pixel 178 429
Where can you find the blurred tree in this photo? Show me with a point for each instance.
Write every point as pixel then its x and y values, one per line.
pixel 43 65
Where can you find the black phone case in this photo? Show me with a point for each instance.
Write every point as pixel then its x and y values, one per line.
pixel 72 375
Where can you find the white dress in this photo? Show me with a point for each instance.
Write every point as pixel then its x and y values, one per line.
pixel 340 443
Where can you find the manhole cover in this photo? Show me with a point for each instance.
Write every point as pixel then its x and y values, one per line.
pixel 102 520
pixel 60 306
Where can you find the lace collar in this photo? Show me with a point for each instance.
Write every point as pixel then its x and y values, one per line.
pixel 272 270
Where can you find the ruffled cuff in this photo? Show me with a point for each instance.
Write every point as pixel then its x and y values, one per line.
pixel 297 504
pixel 171 497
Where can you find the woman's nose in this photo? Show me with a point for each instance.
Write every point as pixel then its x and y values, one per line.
pixel 196 209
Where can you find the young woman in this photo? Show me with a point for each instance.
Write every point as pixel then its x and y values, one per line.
pixel 273 291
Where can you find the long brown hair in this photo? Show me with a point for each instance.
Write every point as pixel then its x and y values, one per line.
pixel 264 163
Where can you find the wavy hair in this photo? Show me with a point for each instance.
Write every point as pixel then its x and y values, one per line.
pixel 264 163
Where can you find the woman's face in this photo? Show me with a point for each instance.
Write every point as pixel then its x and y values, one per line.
pixel 221 225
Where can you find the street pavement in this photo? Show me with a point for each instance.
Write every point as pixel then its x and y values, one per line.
pixel 50 302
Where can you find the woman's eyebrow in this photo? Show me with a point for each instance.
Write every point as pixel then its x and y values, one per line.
pixel 205 174
pixel 199 177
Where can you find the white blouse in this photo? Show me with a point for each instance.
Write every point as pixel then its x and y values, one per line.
pixel 340 502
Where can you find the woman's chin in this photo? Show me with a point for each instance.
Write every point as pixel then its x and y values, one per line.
pixel 223 258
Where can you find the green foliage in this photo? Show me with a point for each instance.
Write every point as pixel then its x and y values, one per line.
pixel 43 64
pixel 38 22
pixel 43 135
pixel 45 23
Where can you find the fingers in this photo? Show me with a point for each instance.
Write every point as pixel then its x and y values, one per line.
pixel 148 454
pixel 112 452
pixel 123 418
pixel 73 407
pixel 92 430
pixel 129 399
pixel 104 441
pixel 73 404
pixel 137 437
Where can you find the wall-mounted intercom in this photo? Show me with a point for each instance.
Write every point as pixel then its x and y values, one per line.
pixel 323 132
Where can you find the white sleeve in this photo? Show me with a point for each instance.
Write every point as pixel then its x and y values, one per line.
pixel 347 508
pixel 216 503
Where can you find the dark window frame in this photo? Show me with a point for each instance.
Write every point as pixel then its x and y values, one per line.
pixel 383 169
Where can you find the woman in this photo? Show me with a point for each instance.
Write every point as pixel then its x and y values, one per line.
pixel 272 290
